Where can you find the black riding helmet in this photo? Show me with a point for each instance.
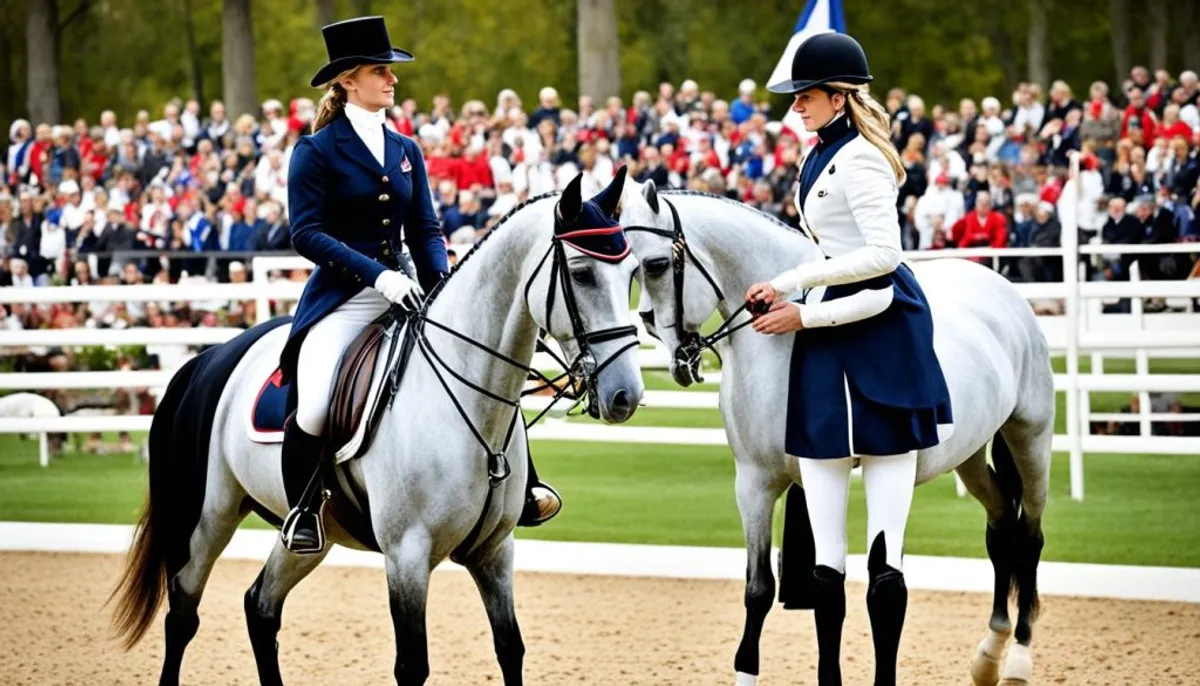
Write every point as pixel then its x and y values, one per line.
pixel 825 58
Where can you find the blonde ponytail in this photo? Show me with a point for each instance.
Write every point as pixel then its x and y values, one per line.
pixel 873 123
pixel 329 107
pixel 333 102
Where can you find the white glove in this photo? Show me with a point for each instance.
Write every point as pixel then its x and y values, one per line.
pixel 399 289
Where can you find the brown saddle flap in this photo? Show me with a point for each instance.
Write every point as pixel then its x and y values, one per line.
pixel 353 384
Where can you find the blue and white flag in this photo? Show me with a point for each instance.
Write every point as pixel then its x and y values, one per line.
pixel 819 16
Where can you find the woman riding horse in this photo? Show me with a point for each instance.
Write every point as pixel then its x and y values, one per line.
pixel 868 386
pixel 352 185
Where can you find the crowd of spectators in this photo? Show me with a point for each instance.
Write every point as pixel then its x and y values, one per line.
pixel 192 195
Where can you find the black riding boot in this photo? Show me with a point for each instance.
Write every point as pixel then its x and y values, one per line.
pixel 887 601
pixel 542 502
pixel 302 531
pixel 829 612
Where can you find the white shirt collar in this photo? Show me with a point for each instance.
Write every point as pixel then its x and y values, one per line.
pixel 362 117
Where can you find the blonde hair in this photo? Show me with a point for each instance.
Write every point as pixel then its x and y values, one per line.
pixel 333 102
pixel 872 122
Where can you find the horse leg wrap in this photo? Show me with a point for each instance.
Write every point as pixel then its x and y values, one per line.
pixel 887 601
pixel 829 611
pixel 798 556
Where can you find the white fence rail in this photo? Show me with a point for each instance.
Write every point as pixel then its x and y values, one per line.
pixel 1082 328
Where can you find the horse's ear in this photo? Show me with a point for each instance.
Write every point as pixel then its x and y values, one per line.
pixel 650 193
pixel 571 202
pixel 609 199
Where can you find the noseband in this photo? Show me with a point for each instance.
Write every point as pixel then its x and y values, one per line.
pixel 691 343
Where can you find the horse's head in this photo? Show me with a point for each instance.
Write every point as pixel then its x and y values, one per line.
pixel 677 295
pixel 585 288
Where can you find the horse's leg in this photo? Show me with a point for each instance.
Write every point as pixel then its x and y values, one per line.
pixel 1029 448
pixel 980 481
pixel 757 491
pixel 263 603
pixel 494 578
pixel 219 518
pixel 408 569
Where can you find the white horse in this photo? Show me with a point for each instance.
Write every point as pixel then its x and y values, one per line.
pixel 995 360
pixel 425 475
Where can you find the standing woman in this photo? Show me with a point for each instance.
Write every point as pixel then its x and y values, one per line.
pixel 352 185
pixel 866 383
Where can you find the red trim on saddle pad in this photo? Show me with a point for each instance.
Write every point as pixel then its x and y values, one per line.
pixel 272 380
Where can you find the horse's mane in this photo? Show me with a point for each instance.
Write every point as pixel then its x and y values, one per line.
pixel 724 198
pixel 491 232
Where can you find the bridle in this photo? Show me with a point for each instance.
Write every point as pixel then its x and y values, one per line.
pixel 691 343
pixel 583 371
pixel 581 374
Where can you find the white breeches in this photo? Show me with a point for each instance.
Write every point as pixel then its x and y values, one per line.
pixel 889 481
pixel 321 353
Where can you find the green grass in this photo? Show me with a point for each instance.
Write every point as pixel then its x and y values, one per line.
pixel 1139 509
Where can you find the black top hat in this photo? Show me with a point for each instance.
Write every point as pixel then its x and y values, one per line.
pixel 825 58
pixel 355 42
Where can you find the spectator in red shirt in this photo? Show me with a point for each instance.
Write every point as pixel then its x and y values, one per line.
pixel 1138 118
pixel 981 228
pixel 40 151
pixel 440 163
pixel 1171 125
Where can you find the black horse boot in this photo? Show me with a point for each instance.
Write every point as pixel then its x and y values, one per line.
pixel 303 532
pixel 542 502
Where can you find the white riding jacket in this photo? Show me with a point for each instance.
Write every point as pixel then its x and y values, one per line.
pixel 852 212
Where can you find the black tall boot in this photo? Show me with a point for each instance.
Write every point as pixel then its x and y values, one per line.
pixel 829 612
pixel 303 456
pixel 887 601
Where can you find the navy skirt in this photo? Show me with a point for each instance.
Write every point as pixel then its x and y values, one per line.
pixel 876 381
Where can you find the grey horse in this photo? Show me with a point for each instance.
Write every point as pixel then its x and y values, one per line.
pixel 993 354
pixel 426 475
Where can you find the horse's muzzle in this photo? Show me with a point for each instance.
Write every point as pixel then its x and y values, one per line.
pixel 685 367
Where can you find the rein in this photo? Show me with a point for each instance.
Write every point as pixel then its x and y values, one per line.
pixel 692 344
pixel 581 373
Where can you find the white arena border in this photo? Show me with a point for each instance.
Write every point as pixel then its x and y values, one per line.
pixel 679 562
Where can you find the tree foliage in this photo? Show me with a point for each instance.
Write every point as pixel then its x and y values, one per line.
pixel 129 55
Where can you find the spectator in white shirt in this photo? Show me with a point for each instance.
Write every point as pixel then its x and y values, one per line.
pixel 944 159
pixel 21 278
pixel 54 242
pixel 990 119
pixel 940 200
pixel 112 135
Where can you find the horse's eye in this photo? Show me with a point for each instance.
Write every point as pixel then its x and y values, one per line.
pixel 655 266
pixel 584 276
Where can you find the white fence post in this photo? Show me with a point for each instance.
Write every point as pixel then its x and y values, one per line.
pixel 1070 248
pixel 1141 358
pixel 262 304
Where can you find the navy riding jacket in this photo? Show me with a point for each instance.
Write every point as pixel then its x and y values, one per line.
pixel 346 215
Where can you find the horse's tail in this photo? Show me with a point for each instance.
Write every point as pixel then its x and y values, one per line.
pixel 1026 538
pixel 144 580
